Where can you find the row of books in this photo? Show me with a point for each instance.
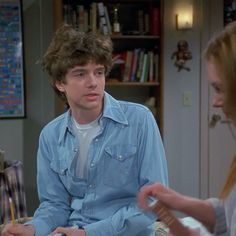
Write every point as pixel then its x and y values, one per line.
pixel 99 17
pixel 95 18
pixel 138 65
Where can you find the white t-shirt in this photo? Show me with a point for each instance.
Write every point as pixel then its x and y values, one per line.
pixel 85 134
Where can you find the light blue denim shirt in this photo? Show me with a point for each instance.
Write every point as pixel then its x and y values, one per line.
pixel 126 154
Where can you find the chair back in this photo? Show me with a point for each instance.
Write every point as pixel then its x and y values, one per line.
pixel 12 187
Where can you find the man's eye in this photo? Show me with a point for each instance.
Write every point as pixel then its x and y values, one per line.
pixel 100 72
pixel 218 90
pixel 80 74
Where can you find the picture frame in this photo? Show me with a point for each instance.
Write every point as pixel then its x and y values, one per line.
pixel 12 82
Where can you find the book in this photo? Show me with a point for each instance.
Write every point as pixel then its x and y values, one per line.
pixel 93 17
pixel 103 26
pixel 140 22
pixel 67 14
pixel 155 21
pixel 151 67
pixel 108 20
pixel 140 65
pixel 134 64
pixel 128 61
pixel 146 23
pixel 86 20
pixel 80 17
pixel 102 18
pixel 144 67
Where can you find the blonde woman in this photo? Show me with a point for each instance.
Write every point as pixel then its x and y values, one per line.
pixel 218 215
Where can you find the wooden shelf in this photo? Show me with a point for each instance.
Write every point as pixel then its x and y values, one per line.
pixel 120 37
pixel 128 1
pixel 136 84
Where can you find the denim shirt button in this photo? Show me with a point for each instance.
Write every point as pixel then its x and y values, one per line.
pixel 75 149
pixel 120 157
pixel 96 139
pixel 90 186
pixel 92 164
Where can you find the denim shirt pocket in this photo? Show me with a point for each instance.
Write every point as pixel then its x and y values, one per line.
pixel 75 186
pixel 59 166
pixel 119 165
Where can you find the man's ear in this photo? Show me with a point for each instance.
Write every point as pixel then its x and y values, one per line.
pixel 60 86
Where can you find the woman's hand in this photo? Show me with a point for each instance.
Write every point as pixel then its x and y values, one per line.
pixel 169 197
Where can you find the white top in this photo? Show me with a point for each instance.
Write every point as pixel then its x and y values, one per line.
pixel 85 134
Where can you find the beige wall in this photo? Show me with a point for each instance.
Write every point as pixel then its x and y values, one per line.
pixel 40 97
pixel 181 123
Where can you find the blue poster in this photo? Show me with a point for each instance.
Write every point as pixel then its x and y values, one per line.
pixel 11 60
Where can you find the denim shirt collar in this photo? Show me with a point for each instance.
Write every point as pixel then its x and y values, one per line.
pixel 111 110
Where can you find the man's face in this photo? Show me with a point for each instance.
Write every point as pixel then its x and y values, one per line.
pixel 84 87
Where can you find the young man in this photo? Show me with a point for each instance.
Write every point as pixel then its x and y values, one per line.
pixel 93 159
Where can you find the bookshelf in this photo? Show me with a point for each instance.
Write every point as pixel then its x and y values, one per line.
pixel 137 72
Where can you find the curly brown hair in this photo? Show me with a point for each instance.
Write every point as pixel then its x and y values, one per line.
pixel 70 48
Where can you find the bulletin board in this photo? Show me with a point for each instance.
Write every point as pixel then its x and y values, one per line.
pixel 12 94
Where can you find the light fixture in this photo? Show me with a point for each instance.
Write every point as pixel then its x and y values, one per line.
pixel 184 16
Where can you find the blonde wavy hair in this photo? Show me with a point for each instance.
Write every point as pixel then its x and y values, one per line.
pixel 221 51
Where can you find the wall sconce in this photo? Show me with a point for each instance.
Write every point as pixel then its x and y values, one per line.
pixel 184 16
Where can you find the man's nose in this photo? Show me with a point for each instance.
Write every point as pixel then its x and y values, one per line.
pixel 92 80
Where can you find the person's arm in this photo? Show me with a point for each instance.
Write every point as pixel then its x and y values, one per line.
pixel 131 220
pixel 18 230
pixel 201 210
pixel 54 208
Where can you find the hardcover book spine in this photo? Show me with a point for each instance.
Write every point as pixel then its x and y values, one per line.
pixel 155 21
pixel 103 22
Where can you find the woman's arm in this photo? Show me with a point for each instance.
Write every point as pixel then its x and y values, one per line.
pixel 201 210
